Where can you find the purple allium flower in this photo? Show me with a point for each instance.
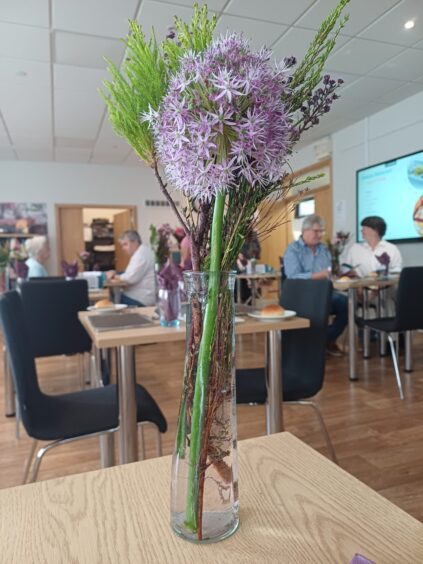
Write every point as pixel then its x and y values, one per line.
pixel 223 120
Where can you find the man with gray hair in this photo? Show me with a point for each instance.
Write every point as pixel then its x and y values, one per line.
pixel 309 258
pixel 38 252
pixel 139 274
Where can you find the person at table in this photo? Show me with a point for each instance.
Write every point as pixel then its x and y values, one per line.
pixel 309 258
pixel 38 254
pixel 363 256
pixel 139 274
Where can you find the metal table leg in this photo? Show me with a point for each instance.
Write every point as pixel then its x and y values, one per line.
pixel 382 313
pixel 128 446
pixel 107 443
pixel 115 294
pixel 408 359
pixel 366 329
pixel 352 358
pixel 253 292
pixel 9 392
pixel 274 415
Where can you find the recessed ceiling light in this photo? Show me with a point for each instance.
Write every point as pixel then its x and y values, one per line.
pixel 409 24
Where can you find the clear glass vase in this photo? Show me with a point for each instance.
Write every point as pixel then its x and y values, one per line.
pixel 204 489
pixel 169 303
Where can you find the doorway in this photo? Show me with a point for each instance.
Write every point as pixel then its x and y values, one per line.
pixel 94 229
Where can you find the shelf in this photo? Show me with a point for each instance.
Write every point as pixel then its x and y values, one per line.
pixel 16 235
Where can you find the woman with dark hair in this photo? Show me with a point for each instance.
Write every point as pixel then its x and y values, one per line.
pixel 364 256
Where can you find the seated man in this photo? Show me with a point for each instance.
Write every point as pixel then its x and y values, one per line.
pixel 309 258
pixel 139 274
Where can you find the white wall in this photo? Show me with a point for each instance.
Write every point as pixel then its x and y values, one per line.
pixel 72 183
pixel 393 132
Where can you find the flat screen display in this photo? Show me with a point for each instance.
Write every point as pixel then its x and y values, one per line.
pixel 393 190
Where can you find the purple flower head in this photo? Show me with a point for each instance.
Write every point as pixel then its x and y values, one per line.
pixel 384 259
pixel 223 120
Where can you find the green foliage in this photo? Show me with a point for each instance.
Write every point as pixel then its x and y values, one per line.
pixel 143 79
pixel 4 256
pixel 309 72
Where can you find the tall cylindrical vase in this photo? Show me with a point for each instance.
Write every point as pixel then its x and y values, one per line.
pixel 204 490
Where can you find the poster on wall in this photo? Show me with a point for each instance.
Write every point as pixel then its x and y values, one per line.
pixel 23 218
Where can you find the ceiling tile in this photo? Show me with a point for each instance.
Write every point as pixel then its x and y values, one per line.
pixel 418 45
pixel 215 5
pixel 132 160
pixel 401 93
pixel 296 42
pixel 258 32
pixel 271 10
pixel 24 42
pixel 160 16
pixel 108 158
pixel 391 26
pixel 25 75
pixel 361 13
pixel 27 12
pixel 7 154
pixel 109 141
pixel 406 66
pixel 67 154
pixel 105 18
pixel 26 115
pixel 361 56
pixel 4 138
pixel 78 78
pixel 77 113
pixel 86 50
pixel 34 153
pixel 364 90
pixel 73 143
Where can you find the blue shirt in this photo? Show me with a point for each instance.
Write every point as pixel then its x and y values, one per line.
pixel 35 269
pixel 300 262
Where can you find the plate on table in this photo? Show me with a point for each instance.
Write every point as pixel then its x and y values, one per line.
pixel 239 319
pixel 285 315
pixel 111 309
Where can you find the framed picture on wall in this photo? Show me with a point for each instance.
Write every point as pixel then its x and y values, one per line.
pixel 23 218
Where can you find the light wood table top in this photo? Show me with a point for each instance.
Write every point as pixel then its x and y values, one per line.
pixel 259 276
pixel 158 334
pixel 295 506
pixel 369 281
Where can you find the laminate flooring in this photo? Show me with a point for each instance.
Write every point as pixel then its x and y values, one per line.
pixel 378 438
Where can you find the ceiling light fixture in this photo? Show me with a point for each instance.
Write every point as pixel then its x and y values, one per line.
pixel 409 24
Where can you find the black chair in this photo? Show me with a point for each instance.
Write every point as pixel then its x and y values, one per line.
pixel 303 351
pixel 66 417
pixel 46 278
pixel 51 314
pixel 409 314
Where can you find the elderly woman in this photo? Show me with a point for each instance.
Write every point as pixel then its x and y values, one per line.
pixel 363 257
pixel 39 252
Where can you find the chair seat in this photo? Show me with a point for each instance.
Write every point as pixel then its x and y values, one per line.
pixel 251 386
pixel 88 411
pixel 387 324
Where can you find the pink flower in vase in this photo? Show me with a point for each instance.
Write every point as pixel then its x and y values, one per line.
pixel 70 269
pixel 384 260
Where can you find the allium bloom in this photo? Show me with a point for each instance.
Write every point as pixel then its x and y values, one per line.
pixel 223 120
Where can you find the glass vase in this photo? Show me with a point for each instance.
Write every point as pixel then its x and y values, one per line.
pixel 204 488
pixel 169 303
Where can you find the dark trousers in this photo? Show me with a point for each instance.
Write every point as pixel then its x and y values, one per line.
pixel 130 301
pixel 339 310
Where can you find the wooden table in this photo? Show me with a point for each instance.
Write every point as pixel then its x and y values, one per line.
pixel 124 341
pixel 295 507
pixel 116 288
pixel 351 285
pixel 253 279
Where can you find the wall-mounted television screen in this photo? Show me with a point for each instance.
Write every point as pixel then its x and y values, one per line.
pixel 393 190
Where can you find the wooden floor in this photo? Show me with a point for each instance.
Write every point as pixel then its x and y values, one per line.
pixel 378 438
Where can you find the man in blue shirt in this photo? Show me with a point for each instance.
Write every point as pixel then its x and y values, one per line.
pixel 308 258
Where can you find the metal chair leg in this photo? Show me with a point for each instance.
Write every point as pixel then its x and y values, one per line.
pixel 17 419
pixel 366 329
pixel 408 359
pixel 395 363
pixel 322 425
pixel 28 463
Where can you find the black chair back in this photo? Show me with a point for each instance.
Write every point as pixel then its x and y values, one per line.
pixel 409 308
pixel 304 350
pixel 21 360
pixel 45 278
pixel 51 314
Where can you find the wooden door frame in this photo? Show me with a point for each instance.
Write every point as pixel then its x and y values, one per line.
pixel 58 207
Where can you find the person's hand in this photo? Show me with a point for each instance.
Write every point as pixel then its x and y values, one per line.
pixel 322 275
pixel 110 274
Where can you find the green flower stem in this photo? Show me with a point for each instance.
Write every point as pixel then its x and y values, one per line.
pixel 203 367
